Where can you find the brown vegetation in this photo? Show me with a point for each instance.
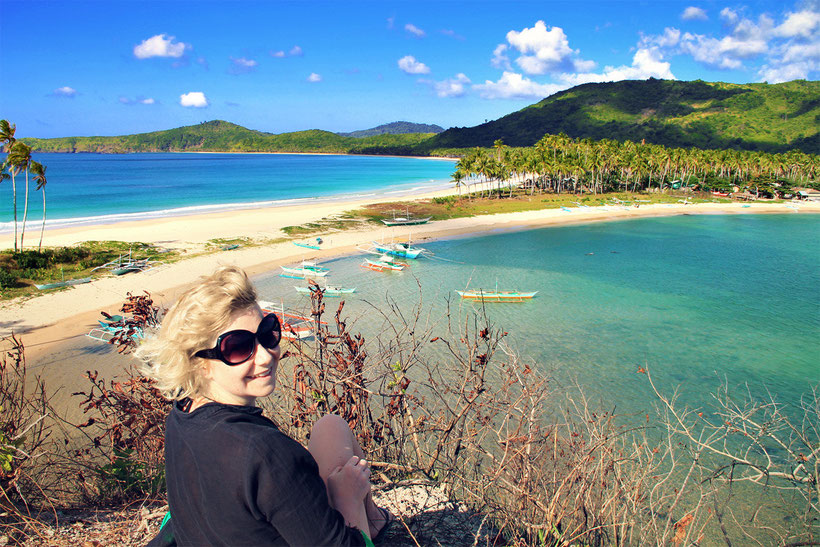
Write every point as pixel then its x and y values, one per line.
pixel 469 445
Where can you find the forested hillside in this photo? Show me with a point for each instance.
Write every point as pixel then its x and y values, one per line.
pixel 772 118
pixel 222 136
pixel 395 128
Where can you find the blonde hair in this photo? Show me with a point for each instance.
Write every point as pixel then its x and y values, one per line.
pixel 192 324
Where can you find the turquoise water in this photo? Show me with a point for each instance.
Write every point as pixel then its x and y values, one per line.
pixel 696 299
pixel 94 188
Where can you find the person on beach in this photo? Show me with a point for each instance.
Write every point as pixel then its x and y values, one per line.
pixel 233 477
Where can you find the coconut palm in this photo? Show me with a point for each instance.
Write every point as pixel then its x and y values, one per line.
pixel 20 159
pixel 39 171
pixel 7 139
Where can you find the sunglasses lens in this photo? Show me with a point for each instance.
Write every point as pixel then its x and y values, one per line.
pixel 270 331
pixel 238 346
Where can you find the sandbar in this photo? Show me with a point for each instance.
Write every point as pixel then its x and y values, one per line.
pixel 47 320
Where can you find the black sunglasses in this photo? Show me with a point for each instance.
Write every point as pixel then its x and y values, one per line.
pixel 237 346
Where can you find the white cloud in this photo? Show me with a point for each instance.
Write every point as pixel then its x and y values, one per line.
pixel 500 59
pixel 138 100
pixel 693 14
pixel 295 51
pixel 391 21
pixel 670 38
pixel 804 23
pixel 160 46
pixel 646 63
pixel 543 50
pixel 242 65
pixel 729 16
pixel 414 30
pixel 452 87
pixel 241 61
pixel 410 65
pixel 279 54
pixel 65 91
pixel 194 99
pixel 514 86
pixel 314 77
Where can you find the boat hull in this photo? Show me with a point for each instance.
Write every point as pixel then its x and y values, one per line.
pixel 405 221
pixel 497 296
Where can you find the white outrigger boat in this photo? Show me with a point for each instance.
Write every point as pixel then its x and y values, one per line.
pixel 496 295
pixel 294 326
pixel 328 290
pixel 306 270
pixel 383 263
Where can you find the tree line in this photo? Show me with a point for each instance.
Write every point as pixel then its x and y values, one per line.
pixel 18 161
pixel 558 163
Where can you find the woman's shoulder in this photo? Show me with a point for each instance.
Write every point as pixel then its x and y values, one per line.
pixel 241 426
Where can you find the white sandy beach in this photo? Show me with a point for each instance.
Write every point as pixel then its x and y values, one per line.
pixel 48 319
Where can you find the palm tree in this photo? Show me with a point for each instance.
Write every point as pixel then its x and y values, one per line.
pixel 39 171
pixel 7 139
pixel 20 158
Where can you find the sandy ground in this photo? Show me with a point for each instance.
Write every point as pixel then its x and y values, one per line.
pixel 50 319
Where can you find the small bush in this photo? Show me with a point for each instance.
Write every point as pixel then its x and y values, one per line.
pixel 7 280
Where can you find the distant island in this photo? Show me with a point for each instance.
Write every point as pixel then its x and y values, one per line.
pixel 772 118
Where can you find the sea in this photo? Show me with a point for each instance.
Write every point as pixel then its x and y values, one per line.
pixel 106 188
pixel 700 301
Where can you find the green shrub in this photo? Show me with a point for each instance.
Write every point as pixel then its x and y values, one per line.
pixel 7 279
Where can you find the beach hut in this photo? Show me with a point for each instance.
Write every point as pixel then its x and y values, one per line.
pixel 807 194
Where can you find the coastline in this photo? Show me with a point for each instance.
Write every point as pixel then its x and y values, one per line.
pixel 47 320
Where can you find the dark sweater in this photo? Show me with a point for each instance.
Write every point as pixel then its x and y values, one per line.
pixel 234 479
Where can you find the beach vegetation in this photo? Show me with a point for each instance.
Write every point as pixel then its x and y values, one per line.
pixel 20 271
pixel 560 164
pixel 518 457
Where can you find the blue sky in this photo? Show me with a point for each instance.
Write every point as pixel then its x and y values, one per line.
pixel 113 67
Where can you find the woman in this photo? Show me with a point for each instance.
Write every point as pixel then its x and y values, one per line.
pixel 233 478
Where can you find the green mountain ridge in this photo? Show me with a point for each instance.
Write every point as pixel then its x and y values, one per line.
pixel 395 128
pixel 222 136
pixel 709 115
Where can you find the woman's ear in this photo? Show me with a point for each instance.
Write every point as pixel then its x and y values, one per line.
pixel 205 369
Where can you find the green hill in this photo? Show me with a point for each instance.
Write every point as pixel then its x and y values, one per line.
pixel 772 118
pixel 395 128
pixel 222 136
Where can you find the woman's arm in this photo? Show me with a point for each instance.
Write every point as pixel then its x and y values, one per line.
pixel 348 486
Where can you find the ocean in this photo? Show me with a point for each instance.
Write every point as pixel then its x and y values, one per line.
pixel 102 188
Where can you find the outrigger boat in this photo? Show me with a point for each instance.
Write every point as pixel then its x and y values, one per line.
pixel 401 250
pixel 406 220
pixel 112 326
pixel 64 283
pixel 307 269
pixel 496 295
pixel 383 263
pixel 328 290
pixel 315 245
pixel 125 264
pixel 294 326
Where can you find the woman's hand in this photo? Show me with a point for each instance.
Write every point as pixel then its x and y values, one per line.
pixel 347 488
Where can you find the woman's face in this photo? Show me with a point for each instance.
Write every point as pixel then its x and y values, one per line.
pixel 241 384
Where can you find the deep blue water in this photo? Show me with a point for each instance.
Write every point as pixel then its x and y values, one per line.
pixel 85 188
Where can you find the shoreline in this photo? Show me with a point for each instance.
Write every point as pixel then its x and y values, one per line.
pixel 47 320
